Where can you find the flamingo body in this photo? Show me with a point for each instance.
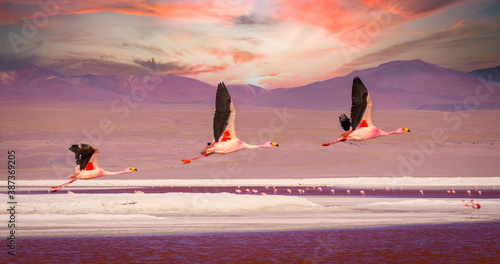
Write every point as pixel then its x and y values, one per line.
pixel 360 127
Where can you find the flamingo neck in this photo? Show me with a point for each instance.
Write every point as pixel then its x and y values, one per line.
pixel 383 133
pixel 250 146
pixel 109 173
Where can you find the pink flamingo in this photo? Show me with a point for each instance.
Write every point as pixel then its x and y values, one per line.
pixel 224 128
pixel 362 193
pixel 333 191
pixel 468 192
pixel 361 127
pixel 468 204
pixel 421 192
pixel 87 168
pixel 475 206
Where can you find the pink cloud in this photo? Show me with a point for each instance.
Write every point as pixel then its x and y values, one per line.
pixel 238 56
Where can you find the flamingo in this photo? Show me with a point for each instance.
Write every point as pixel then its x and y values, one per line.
pixel 360 126
pixel 362 193
pixel 86 165
pixel 225 140
pixel 468 204
pixel 475 206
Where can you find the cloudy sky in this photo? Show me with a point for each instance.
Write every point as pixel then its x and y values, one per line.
pixel 271 43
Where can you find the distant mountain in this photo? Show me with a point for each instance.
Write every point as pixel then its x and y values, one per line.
pixel 33 83
pixel 413 84
pixel 487 73
pixel 396 85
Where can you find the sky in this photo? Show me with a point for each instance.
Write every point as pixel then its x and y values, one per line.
pixel 270 43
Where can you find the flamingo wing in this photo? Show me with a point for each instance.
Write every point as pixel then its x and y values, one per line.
pixel 224 127
pixel 361 105
pixel 83 155
pixel 345 122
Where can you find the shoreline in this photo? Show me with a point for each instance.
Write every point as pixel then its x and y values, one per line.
pixel 254 231
pixel 372 182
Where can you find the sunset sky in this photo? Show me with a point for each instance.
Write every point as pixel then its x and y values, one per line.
pixel 271 43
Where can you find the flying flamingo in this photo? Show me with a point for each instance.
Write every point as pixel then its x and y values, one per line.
pixel 225 140
pixel 87 168
pixel 360 126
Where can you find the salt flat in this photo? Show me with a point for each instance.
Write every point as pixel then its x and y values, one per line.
pixel 134 214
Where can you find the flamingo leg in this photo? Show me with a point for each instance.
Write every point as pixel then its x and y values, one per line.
pixel 186 161
pixel 59 187
pixel 336 141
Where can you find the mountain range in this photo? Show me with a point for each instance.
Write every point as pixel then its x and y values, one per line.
pixel 397 85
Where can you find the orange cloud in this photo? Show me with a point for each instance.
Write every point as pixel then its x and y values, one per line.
pixel 463 21
pixel 411 8
pixel 13 12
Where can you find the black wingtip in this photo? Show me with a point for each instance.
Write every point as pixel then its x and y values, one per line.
pixel 345 122
pixel 357 80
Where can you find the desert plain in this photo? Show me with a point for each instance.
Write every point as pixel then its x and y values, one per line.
pixel 156 137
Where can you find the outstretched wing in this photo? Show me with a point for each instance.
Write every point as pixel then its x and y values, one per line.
pixel 83 154
pixel 361 105
pixel 224 115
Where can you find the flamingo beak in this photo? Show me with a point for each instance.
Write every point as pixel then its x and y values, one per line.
pixel 133 168
pixel 406 129
pixel 275 144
